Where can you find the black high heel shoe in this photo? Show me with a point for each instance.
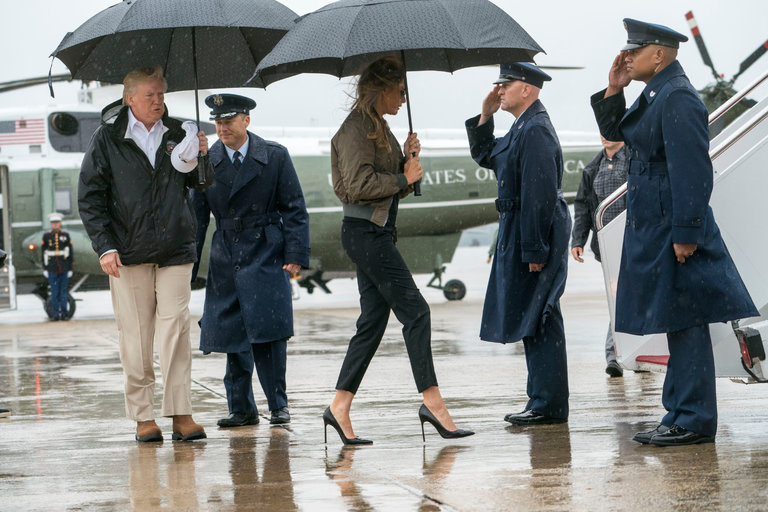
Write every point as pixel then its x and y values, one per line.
pixel 328 419
pixel 426 415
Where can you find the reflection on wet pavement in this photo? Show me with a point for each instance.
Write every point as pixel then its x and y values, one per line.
pixel 67 445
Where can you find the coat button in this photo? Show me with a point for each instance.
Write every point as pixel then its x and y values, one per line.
pixel 502 247
pixel 232 211
pixel 501 183
pixel 504 215
pixel 627 222
pixel 237 267
pixel 633 187
pixel 254 207
pixel 258 235
pixel 237 240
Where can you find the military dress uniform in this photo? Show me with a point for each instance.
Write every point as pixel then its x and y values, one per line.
pixel 534 227
pixel 669 185
pixel 57 263
pixel 261 224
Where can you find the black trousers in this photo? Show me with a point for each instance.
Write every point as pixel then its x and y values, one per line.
pixel 385 284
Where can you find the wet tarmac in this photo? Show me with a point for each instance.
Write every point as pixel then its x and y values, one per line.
pixel 67 445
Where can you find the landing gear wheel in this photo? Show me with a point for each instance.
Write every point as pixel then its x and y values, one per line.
pixel 71 306
pixel 454 290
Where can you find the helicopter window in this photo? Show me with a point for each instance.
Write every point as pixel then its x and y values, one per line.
pixel 62 201
pixel 71 131
pixel 64 123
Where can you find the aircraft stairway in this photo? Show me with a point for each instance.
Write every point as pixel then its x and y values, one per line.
pixel 740 160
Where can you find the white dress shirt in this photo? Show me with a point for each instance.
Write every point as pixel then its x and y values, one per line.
pixel 242 149
pixel 147 140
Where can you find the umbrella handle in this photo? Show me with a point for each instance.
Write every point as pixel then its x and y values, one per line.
pixel 416 185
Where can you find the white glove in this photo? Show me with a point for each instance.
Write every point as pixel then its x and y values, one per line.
pixel 184 154
pixel 45 273
pixel 69 273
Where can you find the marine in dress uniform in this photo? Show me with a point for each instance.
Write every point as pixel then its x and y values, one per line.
pixel 529 268
pixel 261 237
pixel 676 275
pixel 57 266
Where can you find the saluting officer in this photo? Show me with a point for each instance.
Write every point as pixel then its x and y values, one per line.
pixel 529 268
pixel 676 275
pixel 57 266
pixel 261 238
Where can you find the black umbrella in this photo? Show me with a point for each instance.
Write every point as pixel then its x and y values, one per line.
pixel 199 43
pixel 341 38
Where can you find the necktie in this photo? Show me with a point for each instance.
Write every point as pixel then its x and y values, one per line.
pixel 236 160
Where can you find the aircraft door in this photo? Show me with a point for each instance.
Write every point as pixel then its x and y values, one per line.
pixel 7 276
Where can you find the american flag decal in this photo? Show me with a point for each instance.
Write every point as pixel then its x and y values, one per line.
pixel 22 131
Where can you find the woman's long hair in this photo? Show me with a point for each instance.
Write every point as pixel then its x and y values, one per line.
pixel 378 76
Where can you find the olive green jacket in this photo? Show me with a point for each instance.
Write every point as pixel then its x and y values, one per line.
pixel 365 175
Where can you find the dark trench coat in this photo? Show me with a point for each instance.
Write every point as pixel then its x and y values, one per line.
pixel 669 185
pixel 261 224
pixel 534 224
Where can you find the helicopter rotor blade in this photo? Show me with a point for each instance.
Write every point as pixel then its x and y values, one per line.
pixel 700 43
pixel 12 85
pixel 751 59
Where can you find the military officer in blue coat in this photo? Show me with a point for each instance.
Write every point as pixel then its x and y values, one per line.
pixel 676 275
pixel 530 265
pixel 261 238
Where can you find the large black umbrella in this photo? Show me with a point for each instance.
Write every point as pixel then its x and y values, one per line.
pixel 199 43
pixel 341 38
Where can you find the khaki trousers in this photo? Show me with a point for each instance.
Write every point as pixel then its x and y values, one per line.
pixel 153 302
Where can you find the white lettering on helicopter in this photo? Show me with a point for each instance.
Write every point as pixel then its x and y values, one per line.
pixel 447 176
pixel 573 166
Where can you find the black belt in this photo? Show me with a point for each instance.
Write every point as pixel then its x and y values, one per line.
pixel 252 221
pixel 639 168
pixel 507 205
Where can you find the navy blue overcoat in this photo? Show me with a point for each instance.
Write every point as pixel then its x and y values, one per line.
pixel 669 186
pixel 534 223
pixel 261 224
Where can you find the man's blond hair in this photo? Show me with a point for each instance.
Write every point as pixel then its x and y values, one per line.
pixel 139 75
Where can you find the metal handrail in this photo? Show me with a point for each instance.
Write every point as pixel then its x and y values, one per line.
pixel 725 107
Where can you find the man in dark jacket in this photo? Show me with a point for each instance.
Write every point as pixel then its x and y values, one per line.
pixel 57 266
pixel 676 275
pixel 135 207
pixel 261 239
pixel 601 177
pixel 531 261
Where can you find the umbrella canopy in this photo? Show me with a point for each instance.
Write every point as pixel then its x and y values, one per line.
pixel 341 38
pixel 226 38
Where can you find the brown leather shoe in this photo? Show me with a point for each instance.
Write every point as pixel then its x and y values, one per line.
pixel 185 428
pixel 148 432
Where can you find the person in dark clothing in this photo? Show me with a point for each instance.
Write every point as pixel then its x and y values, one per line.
pixel 57 266
pixel 676 275
pixel 136 209
pixel 530 265
pixel 261 239
pixel 370 175
pixel 601 177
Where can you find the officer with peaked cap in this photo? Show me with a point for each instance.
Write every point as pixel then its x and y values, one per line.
pixel 261 239
pixel 57 266
pixel 676 275
pixel 529 267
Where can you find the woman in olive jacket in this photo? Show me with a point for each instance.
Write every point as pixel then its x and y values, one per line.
pixel 370 175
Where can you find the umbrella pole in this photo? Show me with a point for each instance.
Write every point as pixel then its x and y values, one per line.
pixel 417 185
pixel 200 163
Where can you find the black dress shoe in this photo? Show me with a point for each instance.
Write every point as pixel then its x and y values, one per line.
pixel 280 416
pixel 645 437
pixel 530 417
pixel 679 436
pixel 238 419
pixel 614 370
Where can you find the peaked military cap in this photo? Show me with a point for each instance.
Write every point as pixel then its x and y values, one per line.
pixel 524 71
pixel 640 33
pixel 228 105
pixel 55 217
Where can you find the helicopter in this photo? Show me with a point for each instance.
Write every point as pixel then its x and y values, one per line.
pixel 718 92
pixel 41 149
